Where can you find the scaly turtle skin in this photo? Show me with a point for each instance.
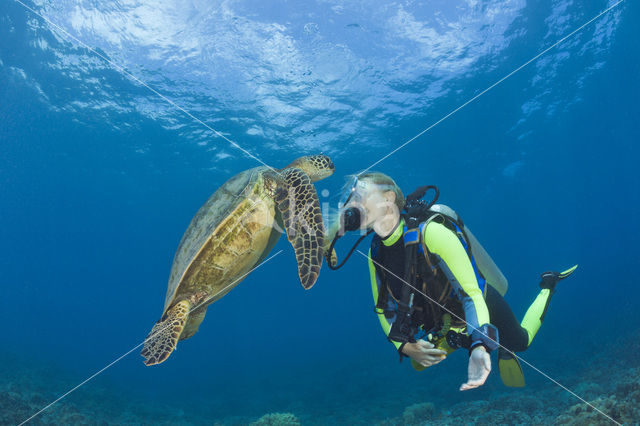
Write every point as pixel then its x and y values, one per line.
pixel 231 234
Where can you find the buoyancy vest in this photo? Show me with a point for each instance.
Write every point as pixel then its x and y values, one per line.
pixel 419 287
pixel 431 295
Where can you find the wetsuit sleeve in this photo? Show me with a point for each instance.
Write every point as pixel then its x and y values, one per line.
pixel 456 265
pixel 384 322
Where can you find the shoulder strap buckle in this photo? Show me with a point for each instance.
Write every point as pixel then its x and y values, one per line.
pixel 411 236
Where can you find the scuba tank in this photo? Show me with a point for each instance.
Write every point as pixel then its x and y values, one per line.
pixel 487 267
pixel 418 210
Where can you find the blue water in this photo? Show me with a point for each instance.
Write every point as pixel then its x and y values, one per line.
pixel 99 178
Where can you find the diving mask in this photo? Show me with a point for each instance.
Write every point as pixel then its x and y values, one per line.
pixel 352 216
pixel 354 193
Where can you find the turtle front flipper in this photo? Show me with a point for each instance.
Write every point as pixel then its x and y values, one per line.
pixel 164 335
pixel 299 206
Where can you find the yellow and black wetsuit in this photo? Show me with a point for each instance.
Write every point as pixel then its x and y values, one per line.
pixel 454 285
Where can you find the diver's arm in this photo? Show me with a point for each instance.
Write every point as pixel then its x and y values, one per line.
pixel 386 325
pixel 423 353
pixel 479 368
pixel 444 243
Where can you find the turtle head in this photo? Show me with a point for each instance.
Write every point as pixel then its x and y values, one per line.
pixel 315 166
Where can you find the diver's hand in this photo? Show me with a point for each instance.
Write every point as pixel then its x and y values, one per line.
pixel 479 368
pixel 423 353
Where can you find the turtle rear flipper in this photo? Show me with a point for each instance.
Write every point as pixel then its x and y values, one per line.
pixel 164 335
pixel 299 206
pixel 333 259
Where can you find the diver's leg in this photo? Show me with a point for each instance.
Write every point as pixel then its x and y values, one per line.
pixel 535 314
pixel 513 338
pixel 511 334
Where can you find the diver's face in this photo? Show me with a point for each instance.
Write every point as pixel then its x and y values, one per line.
pixel 374 205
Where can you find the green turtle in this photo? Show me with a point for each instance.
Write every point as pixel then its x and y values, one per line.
pixel 231 234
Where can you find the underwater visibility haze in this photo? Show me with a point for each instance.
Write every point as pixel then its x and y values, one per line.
pixel 118 120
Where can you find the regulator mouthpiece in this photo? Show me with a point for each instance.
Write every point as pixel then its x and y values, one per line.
pixel 351 219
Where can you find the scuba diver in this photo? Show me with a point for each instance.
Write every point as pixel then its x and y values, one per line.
pixel 434 287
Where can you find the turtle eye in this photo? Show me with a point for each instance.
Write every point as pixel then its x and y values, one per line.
pixel 329 164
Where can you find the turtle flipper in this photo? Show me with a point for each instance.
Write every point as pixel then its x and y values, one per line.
pixel 193 323
pixel 164 335
pixel 333 259
pixel 299 206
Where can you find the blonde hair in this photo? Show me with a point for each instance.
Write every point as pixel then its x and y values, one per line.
pixel 384 183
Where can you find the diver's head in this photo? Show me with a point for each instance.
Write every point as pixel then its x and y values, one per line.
pixel 315 166
pixel 372 200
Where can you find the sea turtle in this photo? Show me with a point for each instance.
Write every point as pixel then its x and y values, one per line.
pixel 231 234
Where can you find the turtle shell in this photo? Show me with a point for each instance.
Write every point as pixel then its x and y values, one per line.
pixel 228 235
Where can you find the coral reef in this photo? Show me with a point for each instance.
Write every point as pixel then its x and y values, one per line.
pixel 277 419
pixel 609 381
pixel 615 391
pixel 25 390
pixel 418 413
pixel 622 406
